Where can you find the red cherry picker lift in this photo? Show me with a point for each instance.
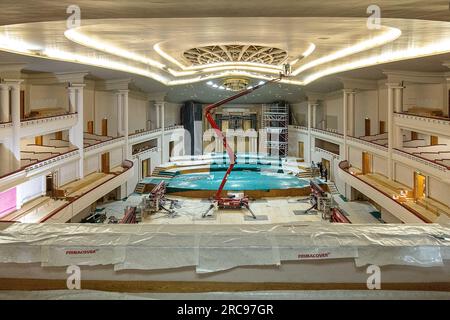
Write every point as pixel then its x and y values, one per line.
pixel 232 202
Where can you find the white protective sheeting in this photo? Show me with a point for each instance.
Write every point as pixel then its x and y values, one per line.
pixel 214 248
pixel 246 295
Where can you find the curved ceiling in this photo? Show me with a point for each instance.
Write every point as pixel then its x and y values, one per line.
pixel 180 44
pixel 22 11
pixel 155 48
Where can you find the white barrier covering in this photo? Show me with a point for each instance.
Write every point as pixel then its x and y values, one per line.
pixel 214 248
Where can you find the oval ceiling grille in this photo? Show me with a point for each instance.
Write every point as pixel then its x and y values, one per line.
pixel 235 53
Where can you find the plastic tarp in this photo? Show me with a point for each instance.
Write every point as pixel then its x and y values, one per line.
pixel 212 248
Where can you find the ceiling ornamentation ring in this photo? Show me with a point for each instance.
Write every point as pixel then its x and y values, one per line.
pixel 235 53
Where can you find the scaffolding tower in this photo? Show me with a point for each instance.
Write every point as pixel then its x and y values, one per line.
pixel 275 121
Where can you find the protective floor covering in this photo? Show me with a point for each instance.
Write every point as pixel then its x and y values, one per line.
pixel 259 295
pixel 189 211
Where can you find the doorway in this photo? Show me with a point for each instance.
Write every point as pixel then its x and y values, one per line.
pixel 50 184
pixel 382 127
pixel 90 127
pixel 104 127
pixel 301 150
pixel 326 164
pixel 366 163
pixel 171 147
pixel 105 162
pixel 367 127
pixel 420 186
pixel 146 168
pixel 434 140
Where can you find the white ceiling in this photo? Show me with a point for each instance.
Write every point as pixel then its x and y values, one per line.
pixel 22 11
pixel 130 27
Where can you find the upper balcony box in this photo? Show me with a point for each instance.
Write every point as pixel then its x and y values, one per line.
pixel 46 125
pixel 31 127
pixel 434 125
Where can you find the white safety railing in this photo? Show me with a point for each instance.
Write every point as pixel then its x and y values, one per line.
pixel 40 121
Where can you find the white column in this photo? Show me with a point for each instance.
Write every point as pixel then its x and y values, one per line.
pixel 76 133
pixel 119 113
pixel 398 99
pixel 314 115
pixel 218 143
pixel 159 105
pixel 351 112
pixel 124 99
pixel 72 100
pixel 240 137
pixel 390 128
pixel 158 122
pixel 15 116
pixel 344 116
pixel 309 132
pixel 4 103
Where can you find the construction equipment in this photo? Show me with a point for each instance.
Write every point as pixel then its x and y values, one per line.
pixel 232 202
pixel 323 201
pixel 130 216
pixel 157 201
pixel 338 217
pixel 98 216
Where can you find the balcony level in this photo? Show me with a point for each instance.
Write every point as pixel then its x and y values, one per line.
pixel 423 123
pixel 401 201
pixel 70 199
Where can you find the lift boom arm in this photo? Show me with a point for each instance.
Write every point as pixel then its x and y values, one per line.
pixel 220 134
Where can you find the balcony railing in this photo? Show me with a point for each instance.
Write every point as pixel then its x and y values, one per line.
pixel 41 120
pixel 425 118
pixel 101 144
pixel 334 155
pixel 49 161
pixel 345 166
pixel 424 161
pixel 367 143
pixel 142 152
pixel 328 132
pixel 5 124
pixel 127 165
pixel 174 127
pixel 299 128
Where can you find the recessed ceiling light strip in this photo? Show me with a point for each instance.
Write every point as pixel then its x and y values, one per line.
pixel 390 35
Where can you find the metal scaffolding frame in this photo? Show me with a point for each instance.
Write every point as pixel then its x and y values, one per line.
pixel 275 120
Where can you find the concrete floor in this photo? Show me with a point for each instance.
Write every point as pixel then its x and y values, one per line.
pixel 267 211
